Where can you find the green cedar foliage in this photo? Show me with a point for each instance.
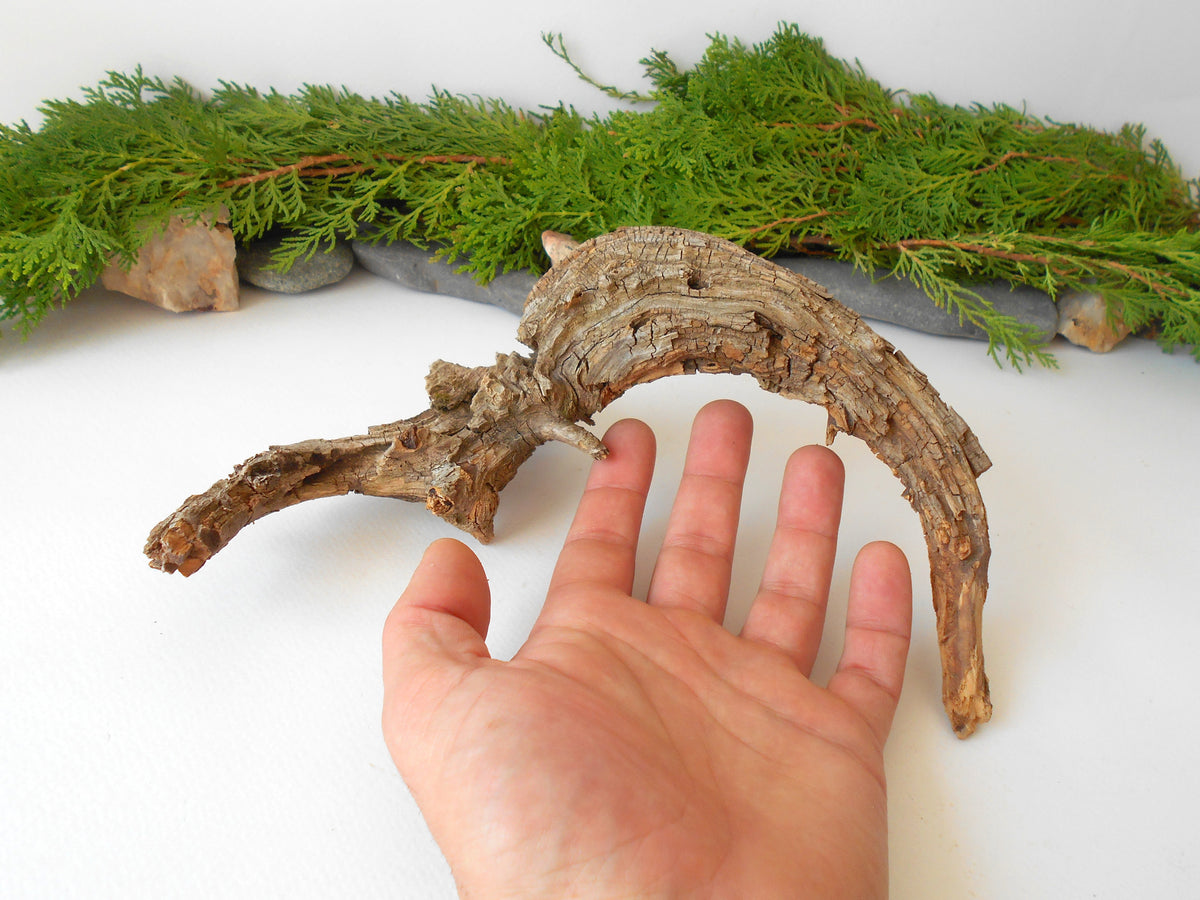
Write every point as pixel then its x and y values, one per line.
pixel 779 147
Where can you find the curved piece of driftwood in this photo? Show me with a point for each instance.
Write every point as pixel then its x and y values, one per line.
pixel 624 309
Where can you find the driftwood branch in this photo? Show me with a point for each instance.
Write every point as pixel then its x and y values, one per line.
pixel 624 309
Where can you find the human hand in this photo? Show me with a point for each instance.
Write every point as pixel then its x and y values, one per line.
pixel 638 749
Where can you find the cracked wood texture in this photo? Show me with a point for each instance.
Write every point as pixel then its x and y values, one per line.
pixel 624 309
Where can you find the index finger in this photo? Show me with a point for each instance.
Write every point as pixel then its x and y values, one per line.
pixel 601 546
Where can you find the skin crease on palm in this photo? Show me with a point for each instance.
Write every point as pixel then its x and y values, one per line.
pixel 635 747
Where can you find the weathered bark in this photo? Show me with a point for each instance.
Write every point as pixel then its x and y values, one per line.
pixel 624 309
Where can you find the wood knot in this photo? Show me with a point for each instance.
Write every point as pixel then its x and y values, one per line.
pixel 449 384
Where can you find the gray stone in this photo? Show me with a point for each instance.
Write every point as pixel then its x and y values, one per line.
pixel 901 302
pixel 888 300
pixel 415 268
pixel 324 267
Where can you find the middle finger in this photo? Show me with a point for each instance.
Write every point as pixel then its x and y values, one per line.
pixel 694 565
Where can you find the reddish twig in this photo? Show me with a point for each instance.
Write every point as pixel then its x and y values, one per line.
pixel 313 166
pixel 826 126
pixel 794 220
pixel 981 249
pixel 1048 262
pixel 1020 154
pixel 1155 286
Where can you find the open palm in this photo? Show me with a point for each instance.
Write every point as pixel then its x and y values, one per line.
pixel 638 749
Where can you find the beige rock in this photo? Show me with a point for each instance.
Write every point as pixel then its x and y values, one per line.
pixel 558 246
pixel 1083 320
pixel 187 266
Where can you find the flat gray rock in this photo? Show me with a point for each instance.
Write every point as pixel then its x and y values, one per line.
pixel 900 302
pixel 887 300
pixel 415 268
pixel 329 267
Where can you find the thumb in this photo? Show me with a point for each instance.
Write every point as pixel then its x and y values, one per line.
pixel 441 618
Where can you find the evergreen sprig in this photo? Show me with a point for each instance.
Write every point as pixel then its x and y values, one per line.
pixel 779 147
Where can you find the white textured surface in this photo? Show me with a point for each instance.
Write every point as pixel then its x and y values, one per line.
pixel 218 736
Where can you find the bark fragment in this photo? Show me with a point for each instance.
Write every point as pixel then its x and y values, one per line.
pixel 624 309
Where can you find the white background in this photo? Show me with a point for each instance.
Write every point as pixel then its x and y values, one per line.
pixel 218 736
